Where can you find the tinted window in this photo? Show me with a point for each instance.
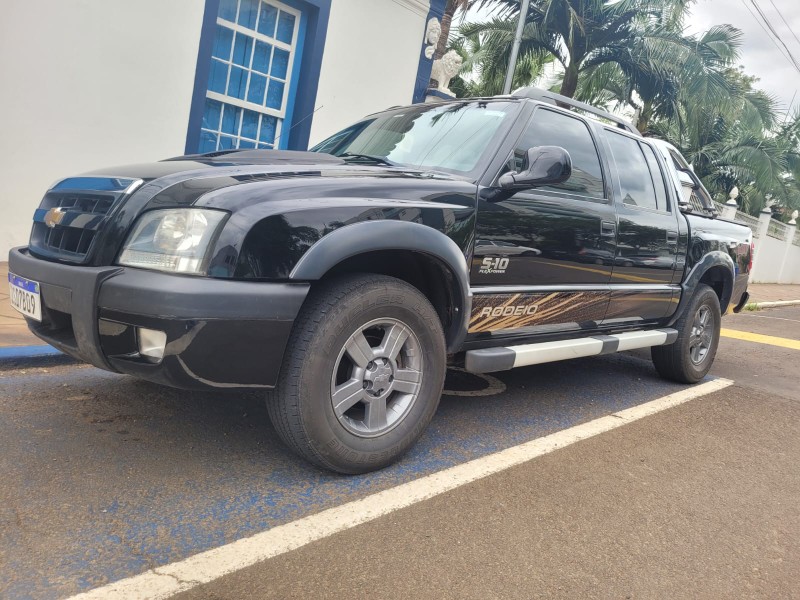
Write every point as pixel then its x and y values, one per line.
pixel 550 128
pixel 452 136
pixel 335 140
pixel 658 179
pixel 636 184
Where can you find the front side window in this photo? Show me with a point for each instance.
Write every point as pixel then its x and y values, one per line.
pixel 451 137
pixel 549 128
pixel 252 61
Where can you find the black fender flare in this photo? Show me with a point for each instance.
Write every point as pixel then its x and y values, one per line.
pixel 371 236
pixel 692 280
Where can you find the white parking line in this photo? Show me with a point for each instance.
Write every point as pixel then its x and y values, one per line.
pixel 183 575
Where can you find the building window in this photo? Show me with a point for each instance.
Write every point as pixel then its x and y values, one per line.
pixel 253 59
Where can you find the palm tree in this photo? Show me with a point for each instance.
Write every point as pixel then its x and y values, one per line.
pixel 450 10
pixel 739 141
pixel 483 78
pixel 680 69
pixel 585 34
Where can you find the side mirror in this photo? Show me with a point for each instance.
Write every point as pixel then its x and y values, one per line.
pixel 547 165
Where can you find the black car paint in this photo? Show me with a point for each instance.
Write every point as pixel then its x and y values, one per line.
pixel 285 208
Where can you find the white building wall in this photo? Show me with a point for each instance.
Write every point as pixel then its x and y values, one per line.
pixel 370 63
pixel 89 84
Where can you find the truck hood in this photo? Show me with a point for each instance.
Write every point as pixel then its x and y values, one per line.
pixel 219 160
pixel 254 185
pixel 233 180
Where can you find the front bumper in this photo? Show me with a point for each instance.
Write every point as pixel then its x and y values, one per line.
pixel 220 333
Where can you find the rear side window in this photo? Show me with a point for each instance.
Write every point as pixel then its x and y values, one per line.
pixel 635 180
pixel 658 178
pixel 550 128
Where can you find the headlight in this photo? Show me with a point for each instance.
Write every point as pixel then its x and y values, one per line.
pixel 174 240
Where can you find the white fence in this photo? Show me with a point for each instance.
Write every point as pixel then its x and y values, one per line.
pixel 777 257
pixel 751 222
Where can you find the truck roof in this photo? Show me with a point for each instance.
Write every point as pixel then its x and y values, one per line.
pixel 549 97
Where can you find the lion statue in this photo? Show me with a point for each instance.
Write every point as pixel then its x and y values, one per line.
pixel 444 69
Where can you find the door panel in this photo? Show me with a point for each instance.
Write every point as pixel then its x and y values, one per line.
pixel 648 303
pixel 547 240
pixel 647 236
pixel 533 313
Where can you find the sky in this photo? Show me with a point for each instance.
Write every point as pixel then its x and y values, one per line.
pixel 759 54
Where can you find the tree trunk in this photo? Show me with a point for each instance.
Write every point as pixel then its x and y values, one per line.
pixel 645 116
pixel 447 21
pixel 570 83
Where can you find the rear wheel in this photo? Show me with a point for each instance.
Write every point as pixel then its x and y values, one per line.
pixel 690 357
pixel 362 375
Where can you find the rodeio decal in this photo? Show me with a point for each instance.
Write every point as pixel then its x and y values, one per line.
pixel 509 311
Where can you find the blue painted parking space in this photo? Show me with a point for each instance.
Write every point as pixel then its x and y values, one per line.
pixel 107 476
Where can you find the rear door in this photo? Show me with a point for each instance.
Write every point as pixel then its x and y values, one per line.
pixel 544 257
pixel 647 233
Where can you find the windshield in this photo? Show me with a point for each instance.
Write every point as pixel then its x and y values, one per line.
pixel 451 137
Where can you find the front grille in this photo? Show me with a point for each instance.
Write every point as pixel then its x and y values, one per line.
pixel 71 213
pixel 67 240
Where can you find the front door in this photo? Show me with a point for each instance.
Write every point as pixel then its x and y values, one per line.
pixel 544 257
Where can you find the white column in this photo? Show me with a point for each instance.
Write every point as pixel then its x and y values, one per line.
pixel 729 211
pixel 792 231
pixel 763 226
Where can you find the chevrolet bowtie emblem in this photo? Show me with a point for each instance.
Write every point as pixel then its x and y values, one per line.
pixel 54 217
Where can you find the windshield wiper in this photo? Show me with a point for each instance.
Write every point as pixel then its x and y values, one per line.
pixel 381 160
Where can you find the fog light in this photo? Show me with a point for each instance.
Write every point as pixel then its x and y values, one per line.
pixel 152 342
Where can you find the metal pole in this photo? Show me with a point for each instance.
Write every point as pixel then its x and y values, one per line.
pixel 512 63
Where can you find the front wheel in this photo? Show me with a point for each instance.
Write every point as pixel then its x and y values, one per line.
pixel 362 375
pixel 690 357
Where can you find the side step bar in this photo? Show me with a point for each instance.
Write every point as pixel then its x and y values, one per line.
pixel 488 360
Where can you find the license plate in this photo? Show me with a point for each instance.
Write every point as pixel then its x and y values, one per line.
pixel 25 297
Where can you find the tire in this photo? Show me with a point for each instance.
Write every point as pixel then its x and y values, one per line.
pixel 327 361
pixel 690 357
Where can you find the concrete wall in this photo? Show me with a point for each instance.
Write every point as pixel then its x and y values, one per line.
pixel 777 260
pixel 89 84
pixel 371 60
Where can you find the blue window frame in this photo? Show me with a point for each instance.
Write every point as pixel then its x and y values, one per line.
pixel 273 61
pixel 253 62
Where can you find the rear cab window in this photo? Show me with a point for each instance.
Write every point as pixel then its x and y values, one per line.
pixel 639 175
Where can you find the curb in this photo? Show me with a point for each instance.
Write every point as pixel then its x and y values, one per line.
pixel 758 305
pixel 31 355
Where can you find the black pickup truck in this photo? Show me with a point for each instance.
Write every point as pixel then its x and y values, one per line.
pixel 500 232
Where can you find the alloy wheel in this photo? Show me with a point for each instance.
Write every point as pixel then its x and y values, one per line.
pixel 702 335
pixel 377 377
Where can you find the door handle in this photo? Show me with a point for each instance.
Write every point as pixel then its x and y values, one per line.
pixel 672 237
pixel 608 228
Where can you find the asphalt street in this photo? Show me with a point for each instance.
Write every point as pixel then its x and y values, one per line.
pixel 105 477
